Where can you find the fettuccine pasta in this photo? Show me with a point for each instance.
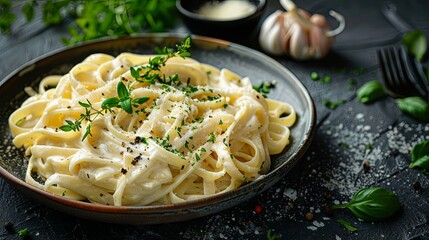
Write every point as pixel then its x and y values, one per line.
pixel 209 134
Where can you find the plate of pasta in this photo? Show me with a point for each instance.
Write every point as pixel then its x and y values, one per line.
pixel 115 131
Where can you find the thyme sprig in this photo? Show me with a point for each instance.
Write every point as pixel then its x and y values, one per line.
pixel 151 76
pixel 123 101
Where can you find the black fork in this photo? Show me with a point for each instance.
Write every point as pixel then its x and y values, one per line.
pixel 396 73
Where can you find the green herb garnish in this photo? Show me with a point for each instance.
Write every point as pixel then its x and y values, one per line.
pixel 416 44
pixel 420 156
pixel 265 87
pixel 271 235
pixel 314 76
pixel 151 76
pixel 23 232
pixel 326 79
pixel 95 19
pixel 352 83
pixel 124 101
pixel 370 92
pixel 347 225
pixel 415 107
pixel 6 16
pixel 332 105
pixel 212 137
pixel 372 204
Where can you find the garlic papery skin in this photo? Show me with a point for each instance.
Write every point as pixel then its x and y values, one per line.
pixel 297 33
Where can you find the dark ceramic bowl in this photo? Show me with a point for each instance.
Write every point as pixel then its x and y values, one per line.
pixel 225 29
pixel 222 54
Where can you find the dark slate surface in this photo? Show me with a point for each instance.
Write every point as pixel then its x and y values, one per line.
pixel 330 172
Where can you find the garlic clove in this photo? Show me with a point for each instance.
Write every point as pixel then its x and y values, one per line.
pixel 319 43
pixel 298 48
pixel 269 36
pixel 320 21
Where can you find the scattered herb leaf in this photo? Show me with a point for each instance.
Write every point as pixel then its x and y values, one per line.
pixel 347 225
pixel 326 79
pixel 370 92
pixel 415 107
pixel 344 145
pixel 420 155
pixel 416 44
pixel 271 235
pixel 332 105
pixel 372 204
pixel 352 83
pixel 314 76
pixel 359 70
pixel 23 232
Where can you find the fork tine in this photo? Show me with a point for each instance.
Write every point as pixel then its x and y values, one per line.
pixel 408 85
pixel 393 63
pixel 394 73
pixel 385 71
pixel 399 78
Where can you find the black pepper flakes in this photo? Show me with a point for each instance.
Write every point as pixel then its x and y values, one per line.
pixel 123 171
pixel 9 227
pixel 417 185
pixel 136 159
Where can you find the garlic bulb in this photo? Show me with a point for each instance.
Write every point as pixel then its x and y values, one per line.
pixel 297 33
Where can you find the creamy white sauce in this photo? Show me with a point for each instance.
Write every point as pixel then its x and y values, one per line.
pixel 226 10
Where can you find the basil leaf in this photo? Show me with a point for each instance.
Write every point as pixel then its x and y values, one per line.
pixel 126 105
pixel 415 107
pixel 370 91
pixel 122 90
pixel 420 155
pixel 415 43
pixel 372 204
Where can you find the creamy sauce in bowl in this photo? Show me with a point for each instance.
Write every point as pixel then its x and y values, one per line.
pixel 226 10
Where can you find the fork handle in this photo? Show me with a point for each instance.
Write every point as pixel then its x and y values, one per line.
pixel 389 11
